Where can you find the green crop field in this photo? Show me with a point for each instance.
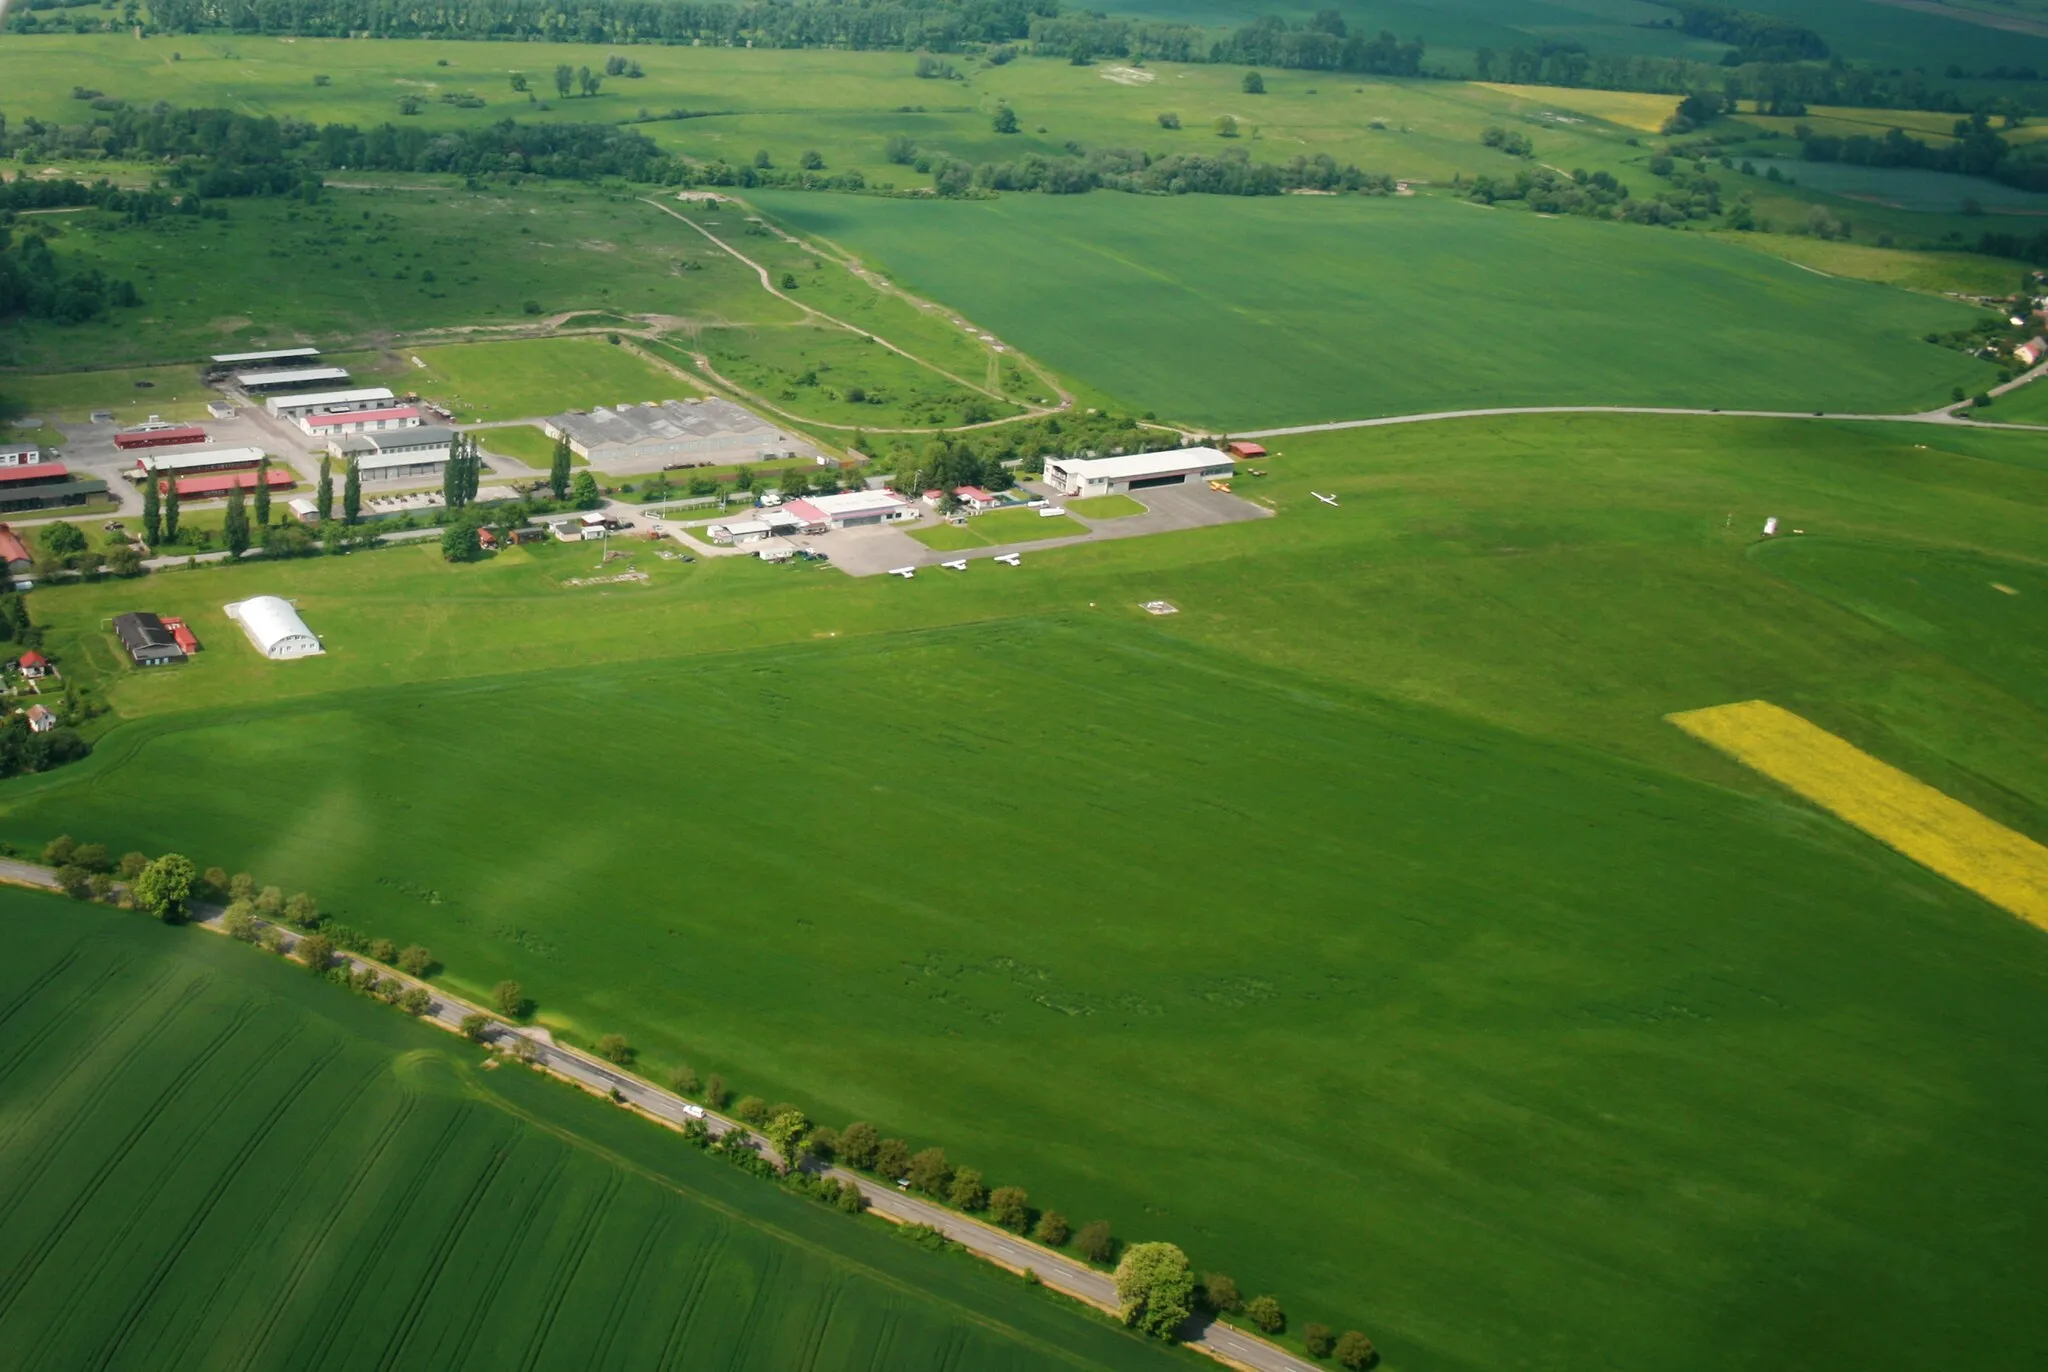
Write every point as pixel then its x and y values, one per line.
pixel 2027 405
pixel 1485 1011
pixel 830 376
pixel 1241 313
pixel 525 378
pixel 209 1160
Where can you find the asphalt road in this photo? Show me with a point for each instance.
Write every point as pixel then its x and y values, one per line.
pixel 1056 1270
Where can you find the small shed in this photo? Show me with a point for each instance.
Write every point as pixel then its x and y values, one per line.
pixel 1244 448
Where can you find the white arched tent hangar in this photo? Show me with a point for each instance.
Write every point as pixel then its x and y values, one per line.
pixel 274 627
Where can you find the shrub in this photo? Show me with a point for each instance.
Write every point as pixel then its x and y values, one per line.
pixel 1010 1206
pixel 384 950
pixel 850 1198
pixel 1053 1230
pixel 317 950
pixel 683 1080
pixel 1219 1293
pixel 967 1192
pixel 1265 1312
pixel 1355 1351
pixel 1155 1288
pixel 415 961
pixel 1169 120
pixel 57 852
pixel 892 1159
pixel 715 1094
pixel 415 1000
pixel 859 1144
pixel 1094 1242
pixel 93 857
pixel 1318 1339
pixel 1005 120
pixel 929 1171
pixel 1254 84
pixel 614 1048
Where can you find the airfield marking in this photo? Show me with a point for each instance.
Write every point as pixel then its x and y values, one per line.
pixel 1937 831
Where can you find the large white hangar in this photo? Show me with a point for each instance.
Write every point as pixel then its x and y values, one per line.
pixel 1079 476
pixel 274 626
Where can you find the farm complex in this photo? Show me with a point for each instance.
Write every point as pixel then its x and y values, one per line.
pixel 1361 699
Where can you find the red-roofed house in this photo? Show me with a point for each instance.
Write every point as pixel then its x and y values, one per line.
pixel 34 664
pixel 13 551
pixel 1244 449
pixel 41 718
pixel 333 425
pixel 976 499
pixel 181 635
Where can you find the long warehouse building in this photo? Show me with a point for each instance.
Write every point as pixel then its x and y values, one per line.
pixel 294 407
pixel 289 378
pixel 1077 476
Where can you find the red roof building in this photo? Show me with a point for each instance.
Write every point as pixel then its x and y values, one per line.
pixel 182 635
pixel 33 473
pixel 1242 449
pixel 362 421
pixel 34 663
pixel 159 438
pixel 13 551
pixel 220 483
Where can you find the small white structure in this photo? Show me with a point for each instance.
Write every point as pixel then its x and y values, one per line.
pixel 1771 527
pixel 274 627
pixel 851 510
pixel 1076 476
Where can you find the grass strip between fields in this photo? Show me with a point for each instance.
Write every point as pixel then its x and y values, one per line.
pixel 2005 867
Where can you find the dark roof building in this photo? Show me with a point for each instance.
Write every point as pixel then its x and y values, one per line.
pixel 147 640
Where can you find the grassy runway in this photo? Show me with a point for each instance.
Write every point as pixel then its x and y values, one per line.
pixel 209 1160
pixel 1484 1009
pixel 1249 313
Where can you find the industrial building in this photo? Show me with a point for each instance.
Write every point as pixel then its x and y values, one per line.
pixel 274 355
pixel 395 453
pixel 774 523
pixel 271 379
pixel 148 641
pixel 194 461
pixel 336 423
pixel 851 510
pixel 274 627
pixel 1073 476
pixel 216 485
pixel 293 406
pixel 670 432
pixel 158 436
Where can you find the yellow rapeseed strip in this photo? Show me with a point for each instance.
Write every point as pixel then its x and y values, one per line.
pixel 2006 868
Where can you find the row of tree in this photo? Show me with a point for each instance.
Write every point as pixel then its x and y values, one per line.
pixel 1231 172
pixel 1976 150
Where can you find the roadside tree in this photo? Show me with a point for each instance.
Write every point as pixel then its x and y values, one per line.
pixel 1219 1293
pixel 614 1048
pixel 1010 1206
pixel 892 1159
pixel 1318 1339
pixel 301 911
pixel 683 1080
pixel 1053 1230
pixel 1094 1242
pixel 93 857
pixel 753 1110
pixel 929 1171
pixel 57 852
pixel 967 1191
pixel 414 960
pixel 1155 1288
pixel 317 950
pixel 165 885
pixel 850 1198
pixel 415 1000
pixel 858 1144
pixel 476 1028
pixel 1355 1351
pixel 787 1129
pixel 715 1093
pixel 1265 1312
pixel 510 998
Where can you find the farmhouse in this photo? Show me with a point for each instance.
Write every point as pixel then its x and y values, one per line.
pixel 274 627
pixel 1140 471
pixel 158 435
pixel 2031 351
pixel 421 450
pixel 319 402
pixel 671 431
pixel 13 551
pixel 147 640
pixel 41 718
pixel 851 510
pixel 272 379
pixel 34 665
pixel 333 423
pixel 976 499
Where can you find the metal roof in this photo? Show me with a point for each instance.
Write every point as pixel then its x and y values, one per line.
pixel 290 376
pixel 316 399
pixel 184 459
pixel 664 421
pixel 274 355
pixel 1141 464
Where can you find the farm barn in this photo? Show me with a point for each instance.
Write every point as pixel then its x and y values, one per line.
pixel 293 407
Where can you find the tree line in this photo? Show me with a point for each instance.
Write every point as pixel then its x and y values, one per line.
pixel 1231 172
pixel 1977 150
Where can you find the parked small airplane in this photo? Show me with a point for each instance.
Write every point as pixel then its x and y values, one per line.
pixel 960 565
pixel 905 572
pixel 1010 559
pixel 1326 499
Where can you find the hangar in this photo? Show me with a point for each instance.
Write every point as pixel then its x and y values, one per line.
pixel 1140 471
pixel 274 627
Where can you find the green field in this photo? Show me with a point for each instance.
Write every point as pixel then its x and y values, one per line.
pixel 525 378
pixel 1105 506
pixel 2027 405
pixel 212 1161
pixel 998 526
pixel 1242 313
pixel 526 443
pixel 830 376
pixel 1655 1069
pixel 133 394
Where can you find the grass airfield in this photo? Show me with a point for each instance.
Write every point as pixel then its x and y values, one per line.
pixel 212 1161
pixel 1657 1067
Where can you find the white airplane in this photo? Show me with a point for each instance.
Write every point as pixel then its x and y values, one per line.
pixel 905 572
pixel 1326 499
pixel 1010 559
pixel 957 566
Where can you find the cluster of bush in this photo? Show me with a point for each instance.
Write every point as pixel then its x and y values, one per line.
pixel 1126 169
pixel 1509 141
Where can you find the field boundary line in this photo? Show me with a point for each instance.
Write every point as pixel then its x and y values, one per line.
pixel 1939 832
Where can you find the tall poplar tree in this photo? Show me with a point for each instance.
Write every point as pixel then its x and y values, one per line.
pixel 352 493
pixel 472 472
pixel 324 500
pixel 171 509
pixel 236 528
pixel 263 493
pixel 558 474
pixel 152 512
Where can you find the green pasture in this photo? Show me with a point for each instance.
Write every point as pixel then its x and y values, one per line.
pixel 1929 271
pixel 1104 506
pixel 1243 314
pixel 2027 405
pixel 1486 1011
pixel 132 393
pixel 213 1161
pixel 996 527
pixel 354 269
pixel 526 377
pixel 827 375
pixel 526 443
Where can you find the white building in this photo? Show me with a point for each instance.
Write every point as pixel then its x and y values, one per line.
pixel 274 627
pixel 274 355
pixel 284 378
pixel 193 461
pixel 395 453
pixel 335 423
pixel 317 402
pixel 852 509
pixel 20 454
pixel 1075 476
